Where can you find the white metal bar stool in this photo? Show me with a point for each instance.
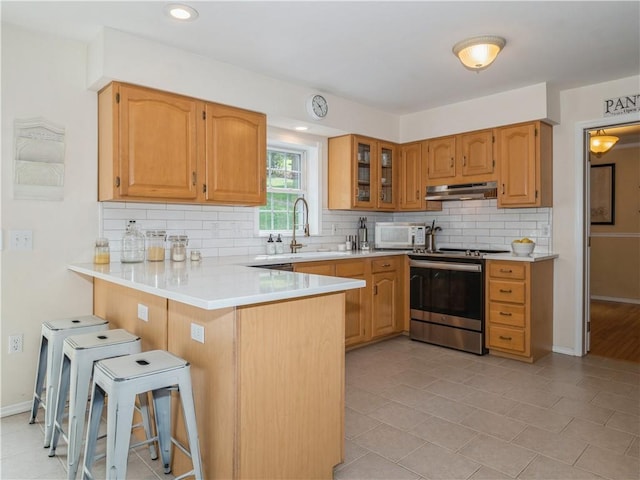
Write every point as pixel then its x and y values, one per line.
pixel 51 340
pixel 78 356
pixel 121 379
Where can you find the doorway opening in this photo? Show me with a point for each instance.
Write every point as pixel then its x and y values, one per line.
pixel 611 326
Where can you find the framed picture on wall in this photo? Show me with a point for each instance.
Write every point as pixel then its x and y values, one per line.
pixel 603 194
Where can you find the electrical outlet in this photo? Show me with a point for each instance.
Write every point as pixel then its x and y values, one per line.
pixel 21 240
pixel 15 343
pixel 546 230
pixel 197 332
pixel 143 312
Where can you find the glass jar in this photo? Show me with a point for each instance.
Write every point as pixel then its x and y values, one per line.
pixel 155 245
pixel 178 247
pixel 132 244
pixel 101 254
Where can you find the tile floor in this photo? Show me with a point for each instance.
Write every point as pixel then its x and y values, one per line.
pixel 416 411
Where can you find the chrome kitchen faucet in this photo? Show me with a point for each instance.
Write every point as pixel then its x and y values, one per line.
pixel 295 246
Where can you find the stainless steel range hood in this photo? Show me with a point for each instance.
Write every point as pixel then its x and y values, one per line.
pixel 467 191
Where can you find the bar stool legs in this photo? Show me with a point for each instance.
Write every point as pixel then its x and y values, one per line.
pixel 79 354
pixel 49 360
pixel 121 379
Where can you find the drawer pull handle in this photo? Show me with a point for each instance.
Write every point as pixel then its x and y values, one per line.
pixel 386 264
pixel 506 314
pixel 502 290
pixel 502 337
pixel 506 270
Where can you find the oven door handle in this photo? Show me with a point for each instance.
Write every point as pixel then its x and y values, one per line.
pixel 460 267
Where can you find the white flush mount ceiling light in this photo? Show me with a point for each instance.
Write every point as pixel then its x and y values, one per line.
pixel 601 143
pixel 478 53
pixel 180 11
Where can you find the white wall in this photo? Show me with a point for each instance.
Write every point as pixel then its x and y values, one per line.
pixel 44 76
pixel 580 108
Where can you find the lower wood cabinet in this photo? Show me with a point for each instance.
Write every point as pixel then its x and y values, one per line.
pixel 519 309
pixel 377 310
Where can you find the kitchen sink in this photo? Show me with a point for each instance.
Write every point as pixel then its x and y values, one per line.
pixel 290 256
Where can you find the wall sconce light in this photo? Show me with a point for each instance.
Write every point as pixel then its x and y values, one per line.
pixel 601 142
pixel 478 53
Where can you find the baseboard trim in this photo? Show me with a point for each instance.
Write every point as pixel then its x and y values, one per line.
pixel 15 409
pixel 564 351
pixel 616 299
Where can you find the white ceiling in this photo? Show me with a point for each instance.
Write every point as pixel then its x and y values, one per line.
pixel 394 56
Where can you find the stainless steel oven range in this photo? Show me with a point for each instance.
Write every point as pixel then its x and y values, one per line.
pixel 447 298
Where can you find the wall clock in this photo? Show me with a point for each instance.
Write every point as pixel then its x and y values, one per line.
pixel 317 107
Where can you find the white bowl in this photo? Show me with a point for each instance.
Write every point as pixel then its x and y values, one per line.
pixel 522 249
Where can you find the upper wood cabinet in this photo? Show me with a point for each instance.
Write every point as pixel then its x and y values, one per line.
pixel 148 144
pixel 236 156
pixel 155 146
pixel 464 158
pixel 412 179
pixel 362 173
pixel 525 157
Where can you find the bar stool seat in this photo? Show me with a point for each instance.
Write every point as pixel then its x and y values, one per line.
pixel 52 338
pixel 121 379
pixel 80 352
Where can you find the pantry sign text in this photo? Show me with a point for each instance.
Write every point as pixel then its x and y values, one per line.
pixel 622 105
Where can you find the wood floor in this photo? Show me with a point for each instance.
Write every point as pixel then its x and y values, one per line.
pixel 615 330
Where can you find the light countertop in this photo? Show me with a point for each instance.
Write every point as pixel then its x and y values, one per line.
pixel 210 284
pixel 534 257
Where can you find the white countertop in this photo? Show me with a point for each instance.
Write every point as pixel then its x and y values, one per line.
pixel 533 257
pixel 215 283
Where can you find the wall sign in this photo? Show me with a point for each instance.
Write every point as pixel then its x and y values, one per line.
pixel 622 105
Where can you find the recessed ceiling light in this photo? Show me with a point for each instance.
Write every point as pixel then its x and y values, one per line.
pixel 301 128
pixel 181 12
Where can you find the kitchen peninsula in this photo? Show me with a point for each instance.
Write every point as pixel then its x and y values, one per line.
pixel 267 358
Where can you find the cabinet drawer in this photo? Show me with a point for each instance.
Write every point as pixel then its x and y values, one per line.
pixel 507 270
pixel 348 269
pixel 507 338
pixel 387 264
pixel 507 314
pixel 506 291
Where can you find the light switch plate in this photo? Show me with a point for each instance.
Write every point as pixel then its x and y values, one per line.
pixel 21 239
pixel 197 332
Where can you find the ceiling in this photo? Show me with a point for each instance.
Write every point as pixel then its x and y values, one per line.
pixel 393 56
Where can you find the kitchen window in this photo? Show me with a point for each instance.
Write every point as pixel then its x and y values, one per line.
pixel 292 172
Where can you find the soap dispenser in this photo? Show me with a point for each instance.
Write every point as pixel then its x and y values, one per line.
pixel 279 245
pixel 271 247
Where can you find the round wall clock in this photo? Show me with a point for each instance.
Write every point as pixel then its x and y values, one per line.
pixel 317 107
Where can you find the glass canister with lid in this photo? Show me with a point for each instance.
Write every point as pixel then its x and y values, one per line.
pixel 155 245
pixel 101 254
pixel 178 247
pixel 132 244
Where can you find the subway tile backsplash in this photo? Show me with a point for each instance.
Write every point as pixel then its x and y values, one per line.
pixel 223 231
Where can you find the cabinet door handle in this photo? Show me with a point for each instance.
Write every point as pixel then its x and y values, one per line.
pixel 502 290
pixel 357 192
pixel 464 160
pixel 502 337
pixel 193 178
pixel 117 182
pixel 375 289
pixel 506 314
pixel 503 189
pixel 506 270
pixel 451 162
pixel 417 194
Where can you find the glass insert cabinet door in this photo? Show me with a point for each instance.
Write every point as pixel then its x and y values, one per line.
pixel 364 159
pixel 385 197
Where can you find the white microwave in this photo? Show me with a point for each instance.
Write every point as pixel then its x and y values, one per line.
pixel 400 236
